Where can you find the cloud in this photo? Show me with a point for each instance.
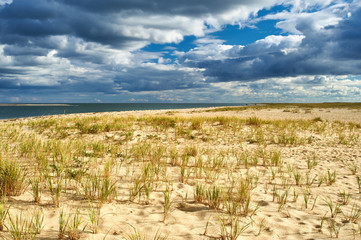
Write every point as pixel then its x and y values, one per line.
pixel 119 23
pixel 329 50
pixel 155 77
pixel 97 47
pixel 293 89
pixel 43 42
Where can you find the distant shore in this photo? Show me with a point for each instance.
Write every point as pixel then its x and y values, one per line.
pixel 32 104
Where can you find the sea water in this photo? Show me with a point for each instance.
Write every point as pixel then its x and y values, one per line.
pixel 34 110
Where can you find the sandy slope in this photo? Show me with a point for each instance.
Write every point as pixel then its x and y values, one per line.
pixel 188 219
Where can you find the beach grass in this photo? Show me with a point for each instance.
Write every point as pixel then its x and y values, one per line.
pixel 183 175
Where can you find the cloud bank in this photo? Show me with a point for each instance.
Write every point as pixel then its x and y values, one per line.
pixel 98 48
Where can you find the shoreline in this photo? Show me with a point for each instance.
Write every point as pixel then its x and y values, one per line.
pixel 125 112
pixel 12 112
pixel 262 111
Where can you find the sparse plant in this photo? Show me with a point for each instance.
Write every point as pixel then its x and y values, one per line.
pixel 321 179
pixel 101 188
pixel 358 183
pixel 298 177
pixel 295 195
pixel 231 227
pixel 4 210
pixel 108 190
pixel 38 220
pixel 94 217
pixel 254 121
pixel 12 178
pixel 167 203
pixel 353 215
pixel 273 174
pixel 333 227
pixel 261 226
pixel 331 177
pixel 63 223
pixel 55 187
pixel 312 162
pixel 275 158
pixel 21 227
pixel 206 228
pixel 136 234
pixel 34 183
pixel 74 231
pixel 275 194
pixel 136 187
pixel 282 200
pixel 314 203
pixel 306 197
pixel 200 193
pixel 309 179
pixel 214 197
pixel 323 219
pixel 334 208
pixel 345 197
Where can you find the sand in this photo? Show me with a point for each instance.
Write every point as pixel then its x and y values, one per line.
pixel 305 214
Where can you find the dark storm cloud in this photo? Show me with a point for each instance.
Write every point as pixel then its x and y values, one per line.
pixel 329 51
pixel 99 21
pixel 83 86
pixel 16 50
pixel 26 22
pixel 91 20
pixel 36 18
pixel 185 7
pixel 348 38
pixel 150 79
pixel 7 71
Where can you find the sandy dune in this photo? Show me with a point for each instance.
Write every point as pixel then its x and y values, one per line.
pixel 300 170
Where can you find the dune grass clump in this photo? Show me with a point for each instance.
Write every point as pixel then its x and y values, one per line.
pixel 63 222
pixel 352 215
pixel 136 234
pixel 55 185
pixel 36 189
pixel 12 178
pixel 167 203
pixel 22 227
pixel 74 223
pixel 94 217
pixel 97 187
pixel 231 227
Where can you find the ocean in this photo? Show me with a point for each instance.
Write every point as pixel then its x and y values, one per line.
pixel 10 111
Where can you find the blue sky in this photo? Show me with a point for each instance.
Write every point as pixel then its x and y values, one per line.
pixel 237 51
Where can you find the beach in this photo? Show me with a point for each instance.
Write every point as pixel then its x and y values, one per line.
pixel 250 172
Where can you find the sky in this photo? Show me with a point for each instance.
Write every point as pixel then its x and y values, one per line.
pixel 229 51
